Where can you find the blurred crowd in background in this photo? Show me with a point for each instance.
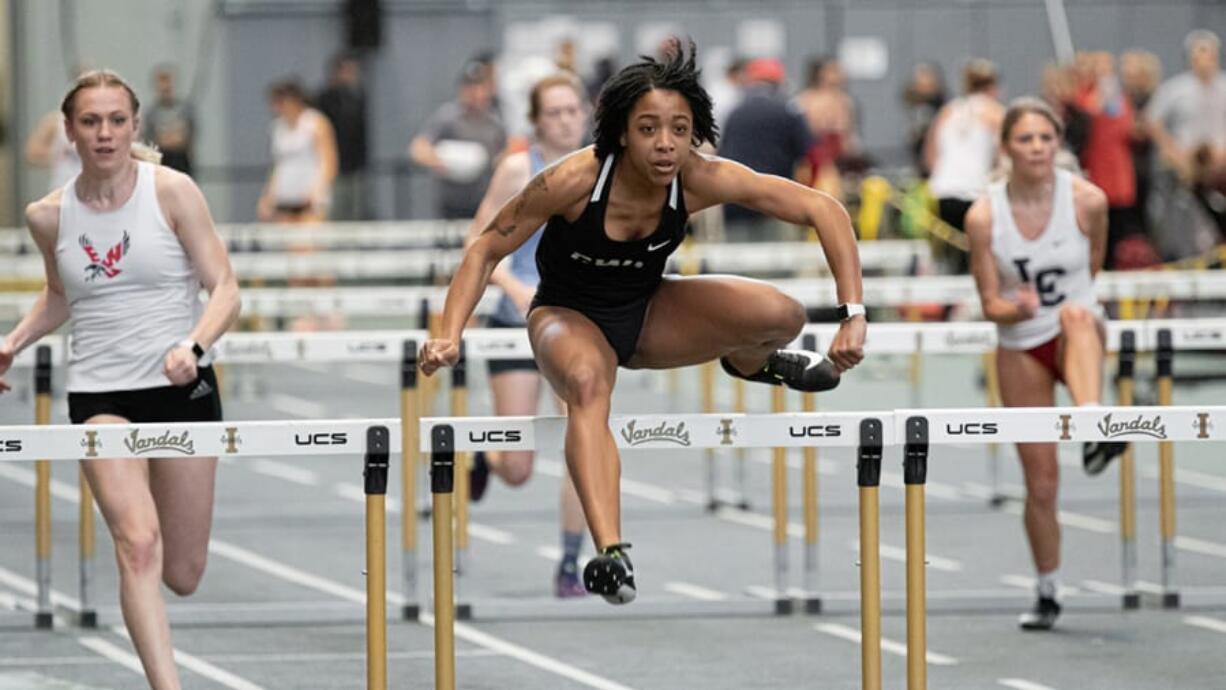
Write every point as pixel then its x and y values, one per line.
pixel 1153 137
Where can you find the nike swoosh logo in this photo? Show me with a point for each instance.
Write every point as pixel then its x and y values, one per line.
pixel 653 247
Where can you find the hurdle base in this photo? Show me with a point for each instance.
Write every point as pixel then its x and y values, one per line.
pixel 784 607
pixel 43 620
pixel 1170 600
pixel 87 619
pixel 813 605
pixel 463 612
pixel 410 612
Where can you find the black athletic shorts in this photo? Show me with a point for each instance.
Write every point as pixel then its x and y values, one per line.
pixel 621 324
pixel 499 366
pixel 198 401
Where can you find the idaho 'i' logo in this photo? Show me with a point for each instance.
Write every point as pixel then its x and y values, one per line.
pixel 231 439
pixel 91 444
pixel 1066 427
pixel 726 432
pixel 1202 425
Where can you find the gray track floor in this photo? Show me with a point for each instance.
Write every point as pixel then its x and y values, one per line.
pixel 280 604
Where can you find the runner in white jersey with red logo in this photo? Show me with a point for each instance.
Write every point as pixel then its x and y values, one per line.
pixel 127 246
pixel 1037 239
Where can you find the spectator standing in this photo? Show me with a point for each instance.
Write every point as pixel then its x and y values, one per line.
pixel 461 143
pixel 343 102
pixel 170 124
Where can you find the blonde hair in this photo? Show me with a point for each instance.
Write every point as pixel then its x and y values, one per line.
pixel 105 78
pixel 978 75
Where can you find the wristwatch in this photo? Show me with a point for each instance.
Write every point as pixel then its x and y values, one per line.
pixel 848 310
pixel 194 347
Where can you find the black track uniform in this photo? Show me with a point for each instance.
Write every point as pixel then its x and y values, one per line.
pixel 607 281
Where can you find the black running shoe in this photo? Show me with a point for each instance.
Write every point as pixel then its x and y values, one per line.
pixel 799 370
pixel 1042 616
pixel 611 575
pixel 478 477
pixel 1096 456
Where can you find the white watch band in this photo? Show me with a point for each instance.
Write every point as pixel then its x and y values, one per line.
pixel 851 309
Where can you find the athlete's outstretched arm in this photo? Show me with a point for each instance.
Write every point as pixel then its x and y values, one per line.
pixel 512 173
pixel 550 192
pixel 713 180
pixel 50 311
pixel 996 308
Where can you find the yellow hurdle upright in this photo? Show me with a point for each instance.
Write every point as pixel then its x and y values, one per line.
pixel 43 616
pixel 868 477
pixel 375 474
pixel 442 484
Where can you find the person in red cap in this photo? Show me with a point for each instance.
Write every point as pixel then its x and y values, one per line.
pixel 766 134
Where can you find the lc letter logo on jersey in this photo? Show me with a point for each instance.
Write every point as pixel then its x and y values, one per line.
pixel 323 438
pixel 108 266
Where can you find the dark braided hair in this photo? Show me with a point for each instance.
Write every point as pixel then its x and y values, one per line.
pixel 675 72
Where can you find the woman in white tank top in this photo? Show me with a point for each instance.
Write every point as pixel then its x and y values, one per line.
pixel 1037 239
pixel 299 188
pixel 128 245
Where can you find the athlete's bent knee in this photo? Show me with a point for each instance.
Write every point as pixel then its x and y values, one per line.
pixel 516 468
pixel 785 317
pixel 183 576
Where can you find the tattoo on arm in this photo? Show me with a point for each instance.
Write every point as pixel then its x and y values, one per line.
pixel 506 227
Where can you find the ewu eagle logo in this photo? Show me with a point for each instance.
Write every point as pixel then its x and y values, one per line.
pixel 108 266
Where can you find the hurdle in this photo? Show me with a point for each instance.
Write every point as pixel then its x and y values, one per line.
pixel 370 438
pixel 917 431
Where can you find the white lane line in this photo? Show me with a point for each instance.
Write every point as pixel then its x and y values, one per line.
pixel 298 407
pixel 630 487
pixel 686 589
pixel 286 471
pixel 8 601
pixel 1101 587
pixel 852 635
pixel 549 553
pixel 1070 519
pixel 201 667
pixel 1022 684
pixel 357 494
pixel 52 661
pixel 829 469
pixel 762 592
pixel 1206 548
pixel 370 374
pixel 30 588
pixel 309 657
pixel 898 553
pixel 285 572
pixel 59 489
pixel 462 631
pixel 1200 480
pixel 338 590
pixel 490 534
pixel 110 651
pixel 1150 587
pixel 932 489
pixel 1213 624
pixel 1029 583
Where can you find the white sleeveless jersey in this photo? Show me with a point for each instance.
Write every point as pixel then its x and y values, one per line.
pixel 132 291
pixel 1056 264
pixel 297 163
pixel 966 151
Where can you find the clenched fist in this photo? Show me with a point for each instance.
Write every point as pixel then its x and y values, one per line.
pixel 435 353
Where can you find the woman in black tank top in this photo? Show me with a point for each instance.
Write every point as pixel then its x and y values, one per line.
pixel 614 213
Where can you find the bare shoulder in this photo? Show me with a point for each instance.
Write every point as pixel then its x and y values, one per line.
pixel 1088 197
pixel 979 218
pixel 569 180
pixel 701 168
pixel 173 187
pixel 43 218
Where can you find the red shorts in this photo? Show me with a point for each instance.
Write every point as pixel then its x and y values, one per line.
pixel 1048 354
